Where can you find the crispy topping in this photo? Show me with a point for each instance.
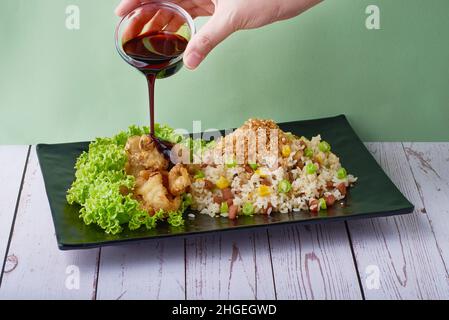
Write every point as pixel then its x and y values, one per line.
pixel 254 141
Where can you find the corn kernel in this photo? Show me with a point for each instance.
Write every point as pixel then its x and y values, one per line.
pixel 286 151
pixel 222 183
pixel 320 157
pixel 264 191
pixel 261 173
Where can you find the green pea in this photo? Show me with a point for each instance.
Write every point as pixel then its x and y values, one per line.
pixel 323 205
pixel 341 173
pixel 199 175
pixel 324 146
pixel 231 164
pixel 253 166
pixel 224 207
pixel 248 209
pixel 311 168
pixel 308 153
pixel 284 186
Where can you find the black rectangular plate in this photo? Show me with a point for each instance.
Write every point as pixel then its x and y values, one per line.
pixel 374 194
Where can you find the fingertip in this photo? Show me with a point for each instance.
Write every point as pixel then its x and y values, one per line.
pixel 192 60
pixel 119 10
pixel 125 6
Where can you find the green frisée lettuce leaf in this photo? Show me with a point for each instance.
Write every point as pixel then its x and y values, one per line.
pixel 101 185
pixel 167 134
pixel 174 218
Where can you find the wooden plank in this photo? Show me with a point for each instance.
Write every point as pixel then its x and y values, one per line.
pixel 401 251
pixel 147 270
pixel 231 265
pixel 430 167
pixel 36 268
pixel 313 262
pixel 12 165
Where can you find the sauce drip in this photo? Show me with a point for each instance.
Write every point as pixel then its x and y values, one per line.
pixel 156 50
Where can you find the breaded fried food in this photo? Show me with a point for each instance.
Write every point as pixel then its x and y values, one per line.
pixel 143 155
pixel 178 180
pixel 153 194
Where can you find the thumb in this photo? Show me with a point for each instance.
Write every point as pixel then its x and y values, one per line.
pixel 210 35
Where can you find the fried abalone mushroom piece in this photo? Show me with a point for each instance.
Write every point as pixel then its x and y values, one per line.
pixel 178 180
pixel 152 193
pixel 143 155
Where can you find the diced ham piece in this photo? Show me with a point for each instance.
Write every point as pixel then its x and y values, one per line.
pixel 209 185
pixel 342 188
pixel 313 205
pixel 233 210
pixel 218 199
pixel 330 200
pixel 227 194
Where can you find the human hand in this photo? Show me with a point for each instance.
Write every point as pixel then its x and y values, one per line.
pixel 227 17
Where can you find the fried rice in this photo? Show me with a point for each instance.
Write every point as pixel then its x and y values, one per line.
pixel 276 172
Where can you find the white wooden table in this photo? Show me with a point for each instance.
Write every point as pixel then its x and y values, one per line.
pixel 403 257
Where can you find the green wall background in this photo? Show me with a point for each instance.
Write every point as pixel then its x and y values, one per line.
pixel 58 85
